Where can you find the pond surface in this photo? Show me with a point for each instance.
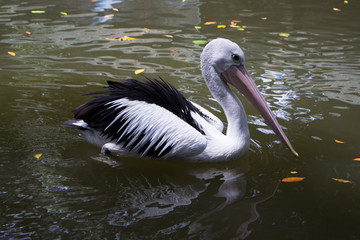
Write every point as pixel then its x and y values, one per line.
pixel 303 55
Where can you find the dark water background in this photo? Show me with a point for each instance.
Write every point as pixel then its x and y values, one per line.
pixel 310 78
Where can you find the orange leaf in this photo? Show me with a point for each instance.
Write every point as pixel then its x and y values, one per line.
pixel 292 179
pixel 169 36
pixel 234 22
pixel 356 159
pixel 109 15
pixel 337 9
pixel 338 141
pixel 208 23
pixel 341 180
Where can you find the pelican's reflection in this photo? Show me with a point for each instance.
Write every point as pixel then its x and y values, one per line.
pixel 151 190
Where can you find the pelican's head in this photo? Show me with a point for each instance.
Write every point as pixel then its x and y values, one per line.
pixel 225 59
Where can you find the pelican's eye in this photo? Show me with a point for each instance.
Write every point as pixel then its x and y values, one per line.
pixel 236 58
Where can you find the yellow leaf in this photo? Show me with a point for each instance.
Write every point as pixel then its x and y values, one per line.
pixel 356 159
pixel 12 53
pixel 126 38
pixel 292 179
pixel 338 141
pixel 138 71
pixel 241 29
pixel 264 18
pixel 209 23
pixel 37 156
pixel 341 180
pixel 37 11
pixel 293 172
pixel 63 13
pixel 109 15
pixel 284 34
pixel 221 26
pixel 197 27
pixel 115 9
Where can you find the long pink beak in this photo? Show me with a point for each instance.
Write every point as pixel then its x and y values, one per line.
pixel 239 77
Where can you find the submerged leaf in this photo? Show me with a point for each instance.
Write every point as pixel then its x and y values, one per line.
pixel 37 156
pixel 341 180
pixel 199 42
pixel 138 71
pixel 292 179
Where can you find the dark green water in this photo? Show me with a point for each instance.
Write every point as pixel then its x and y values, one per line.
pixel 311 79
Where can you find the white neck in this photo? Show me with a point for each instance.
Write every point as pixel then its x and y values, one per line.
pixel 234 111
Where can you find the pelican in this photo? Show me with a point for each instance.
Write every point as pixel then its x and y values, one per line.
pixel 152 119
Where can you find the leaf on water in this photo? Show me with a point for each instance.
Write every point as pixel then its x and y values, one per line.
pixel 126 38
pixel 264 18
pixel 37 11
pixel 37 156
pixel 292 179
pixel 356 159
pixel 12 53
pixel 109 15
pixel 346 2
pixel 138 71
pixel 28 32
pixel 293 172
pixel 63 13
pixel 115 9
pixel 338 141
pixel 284 34
pixel 200 42
pixel 209 23
pixel 341 180
pixel 241 29
pixel 197 27
pixel 234 22
pixel 169 36
pixel 221 26
pixel 337 9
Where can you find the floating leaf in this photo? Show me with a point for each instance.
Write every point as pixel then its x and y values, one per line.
pixel 63 13
pixel 338 141
pixel 28 33
pixel 199 42
pixel 293 172
pixel 138 71
pixel 37 156
pixel 234 22
pixel 337 9
pixel 346 2
pixel 109 15
pixel 169 36
pixel 221 26
pixel 341 180
pixel 241 29
pixel 197 27
pixel 126 38
pixel 292 179
pixel 12 53
pixel 356 159
pixel 264 18
pixel 37 11
pixel 115 9
pixel 284 34
pixel 209 23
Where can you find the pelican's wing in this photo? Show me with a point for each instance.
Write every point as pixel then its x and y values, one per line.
pixel 141 118
pixel 210 118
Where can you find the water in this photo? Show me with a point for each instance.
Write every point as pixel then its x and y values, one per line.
pixel 310 79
